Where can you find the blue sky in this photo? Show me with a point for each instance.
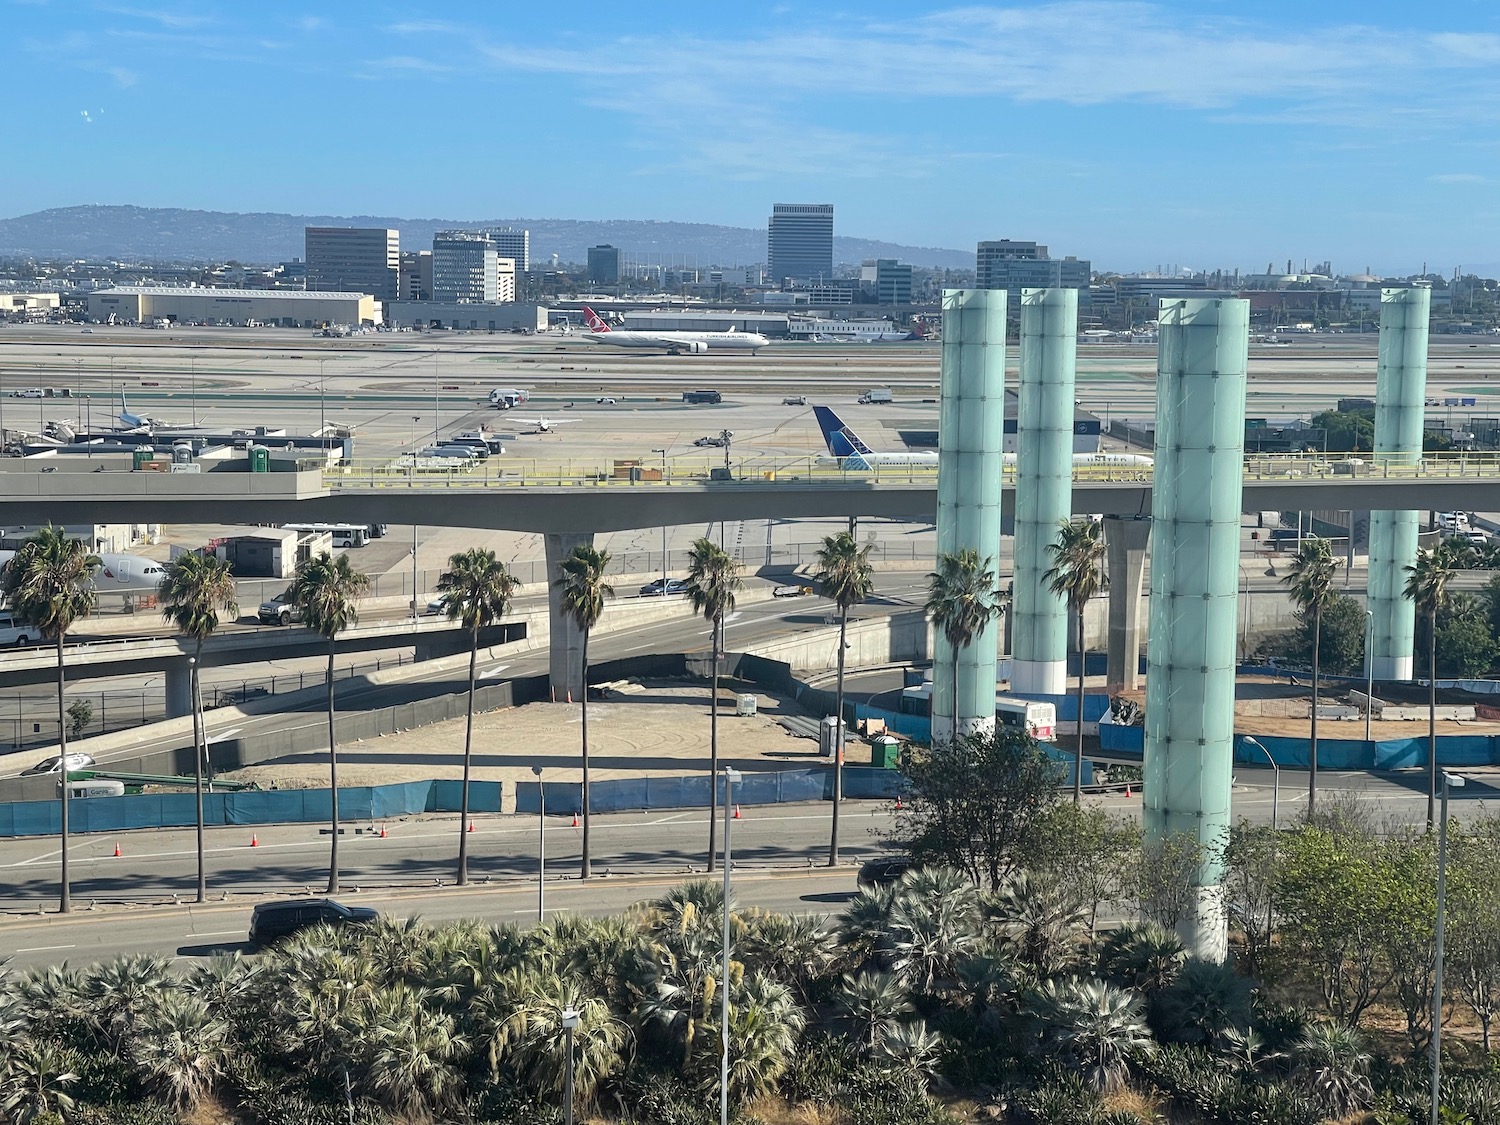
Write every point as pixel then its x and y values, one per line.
pixel 1208 134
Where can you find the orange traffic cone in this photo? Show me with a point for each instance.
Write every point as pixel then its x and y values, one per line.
pixel 117 849
pixel 736 812
pixel 899 806
pixel 382 832
pixel 471 826
pixel 254 840
pixel 1127 789
pixel 575 820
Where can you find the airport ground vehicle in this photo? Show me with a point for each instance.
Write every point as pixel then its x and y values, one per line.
pixel 714 442
pixel 272 921
pixel 794 400
pixel 491 441
pixel 882 872
pixel 877 395
pixel 478 445
pixel 702 396
pixel 654 589
pixel 279 611
pixel 1039 720
pixel 54 764
pixel 604 401
pixel 345 535
pixel 794 590
pixel 506 397
pixel 13 632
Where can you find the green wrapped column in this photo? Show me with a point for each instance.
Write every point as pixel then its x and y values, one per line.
pixel 971 434
pixel 1400 399
pixel 1044 485
pixel 1195 520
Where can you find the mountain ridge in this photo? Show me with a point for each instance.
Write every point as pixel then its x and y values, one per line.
pixel 178 234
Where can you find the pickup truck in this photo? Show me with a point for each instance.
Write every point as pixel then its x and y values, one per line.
pixel 279 611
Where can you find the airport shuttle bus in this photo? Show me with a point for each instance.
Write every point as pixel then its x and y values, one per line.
pixel 1039 720
pixel 345 535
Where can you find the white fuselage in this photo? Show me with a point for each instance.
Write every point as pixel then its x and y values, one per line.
pixel 119 574
pixel 681 341
pixel 924 457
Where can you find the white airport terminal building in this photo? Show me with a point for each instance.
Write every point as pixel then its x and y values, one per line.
pixel 286 308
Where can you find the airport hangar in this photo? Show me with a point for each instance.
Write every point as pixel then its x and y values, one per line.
pixel 285 308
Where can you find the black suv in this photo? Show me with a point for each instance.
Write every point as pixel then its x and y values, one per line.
pixel 272 921
pixel 883 872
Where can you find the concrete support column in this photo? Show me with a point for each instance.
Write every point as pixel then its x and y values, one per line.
pixel 1126 540
pixel 971 434
pixel 179 685
pixel 1400 399
pixel 564 638
pixel 1044 485
pixel 1195 511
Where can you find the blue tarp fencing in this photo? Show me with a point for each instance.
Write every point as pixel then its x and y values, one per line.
pixel 1334 753
pixel 769 788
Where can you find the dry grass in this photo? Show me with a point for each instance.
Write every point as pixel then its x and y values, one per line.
pixel 1144 1106
pixel 774 1110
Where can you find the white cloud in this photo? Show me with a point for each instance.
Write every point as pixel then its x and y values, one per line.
pixel 157 15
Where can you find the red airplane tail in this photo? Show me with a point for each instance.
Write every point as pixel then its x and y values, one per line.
pixel 594 321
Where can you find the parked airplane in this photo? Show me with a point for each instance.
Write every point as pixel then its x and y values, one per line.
pixel 544 424
pixel 140 423
pixel 845 447
pixel 118 574
pixel 674 343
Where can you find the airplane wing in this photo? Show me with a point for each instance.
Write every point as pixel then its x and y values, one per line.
pixel 548 422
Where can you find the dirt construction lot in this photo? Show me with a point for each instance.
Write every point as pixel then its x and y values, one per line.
pixel 655 727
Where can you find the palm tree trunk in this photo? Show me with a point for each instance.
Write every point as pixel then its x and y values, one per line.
pixel 838 742
pixel 1432 770
pixel 1312 740
pixel 463 799
pixel 333 784
pixel 1078 752
pixel 65 898
pixel 199 749
pixel 713 752
pixel 584 870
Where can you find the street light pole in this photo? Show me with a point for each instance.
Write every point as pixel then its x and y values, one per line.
pixel 731 775
pixel 569 1022
pixel 664 567
pixel 1275 807
pixel 1369 669
pixel 541 845
pixel 200 751
pixel 1454 781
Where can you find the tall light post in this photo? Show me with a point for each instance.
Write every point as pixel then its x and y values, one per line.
pixel 541 845
pixel 570 1024
pixel 437 401
pixel 200 752
pixel 1245 621
pixel 322 396
pixel 731 775
pixel 1369 670
pixel 1275 806
pixel 663 453
pixel 1454 781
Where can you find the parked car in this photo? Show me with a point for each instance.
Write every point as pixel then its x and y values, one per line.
pixel 883 872
pixel 54 764
pixel 605 401
pixel 654 589
pixel 714 442
pixel 272 921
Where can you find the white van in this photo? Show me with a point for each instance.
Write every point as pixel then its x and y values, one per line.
pixel 13 632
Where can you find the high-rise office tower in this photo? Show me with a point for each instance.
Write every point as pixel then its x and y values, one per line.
pixel 465 266
pixel 604 265
pixel 354 260
pixel 1013 266
pixel 513 244
pixel 799 242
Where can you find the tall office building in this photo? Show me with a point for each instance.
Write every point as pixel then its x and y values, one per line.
pixel 513 244
pixel 1013 266
pixel 799 242
pixel 354 260
pixel 416 275
pixel 465 267
pixel 604 265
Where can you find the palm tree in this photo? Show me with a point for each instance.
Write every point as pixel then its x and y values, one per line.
pixel 49 585
pixel 325 591
pixel 37 1082
pixel 1309 584
pixel 873 1005
pixel 194 590
pixel 475 591
pixel 962 600
pixel 180 1048
pixel 581 581
pixel 1427 588
pixel 1077 575
pixel 1334 1066
pixel 846 577
pixel 1097 1025
pixel 713 581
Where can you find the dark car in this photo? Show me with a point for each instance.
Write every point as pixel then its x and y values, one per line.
pixel 654 589
pixel 272 921
pixel 883 872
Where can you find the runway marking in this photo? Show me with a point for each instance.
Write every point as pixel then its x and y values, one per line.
pixel 45 948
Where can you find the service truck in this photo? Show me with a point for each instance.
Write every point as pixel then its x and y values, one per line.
pixel 877 394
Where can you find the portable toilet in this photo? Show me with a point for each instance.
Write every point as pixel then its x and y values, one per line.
pixel 745 704
pixel 141 456
pixel 885 751
pixel 260 459
pixel 182 454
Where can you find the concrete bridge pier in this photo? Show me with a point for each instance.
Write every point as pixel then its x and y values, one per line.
pixel 1126 541
pixel 179 684
pixel 564 638
pixel 1195 511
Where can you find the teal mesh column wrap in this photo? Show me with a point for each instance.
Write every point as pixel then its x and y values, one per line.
pixel 1400 398
pixel 1195 522
pixel 1044 485
pixel 971 432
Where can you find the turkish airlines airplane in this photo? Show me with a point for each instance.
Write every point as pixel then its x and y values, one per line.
pixel 119 574
pixel 846 448
pixel 673 343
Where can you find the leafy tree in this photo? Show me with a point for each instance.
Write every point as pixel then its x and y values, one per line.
pixel 963 599
pixel 1077 575
pixel 1341 635
pixel 713 581
pixel 584 592
pixel 1166 878
pixel 1348 431
pixel 80 715
pixel 981 807
pixel 1089 853
pixel 194 590
pixel 846 577
pixel 1427 581
pixel 1474 919
pixel 476 591
pixel 1309 583
pixel 326 589
pixel 48 584
pixel 1249 879
pixel 1466 647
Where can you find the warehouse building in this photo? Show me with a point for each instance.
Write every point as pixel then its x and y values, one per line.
pixel 471 316
pixel 286 308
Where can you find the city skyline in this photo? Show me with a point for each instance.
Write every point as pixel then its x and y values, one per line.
pixel 1129 133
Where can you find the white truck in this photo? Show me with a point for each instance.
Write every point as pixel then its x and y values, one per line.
pixel 877 395
pixel 504 398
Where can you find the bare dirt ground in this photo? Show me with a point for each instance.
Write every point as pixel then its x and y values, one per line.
pixel 656 727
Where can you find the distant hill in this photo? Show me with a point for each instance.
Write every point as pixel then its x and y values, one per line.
pixel 173 234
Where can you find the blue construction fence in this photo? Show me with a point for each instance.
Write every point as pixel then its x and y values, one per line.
pixel 382 802
pixel 1333 753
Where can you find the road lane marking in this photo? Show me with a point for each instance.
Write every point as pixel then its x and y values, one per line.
pixel 45 948
pixel 216 933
